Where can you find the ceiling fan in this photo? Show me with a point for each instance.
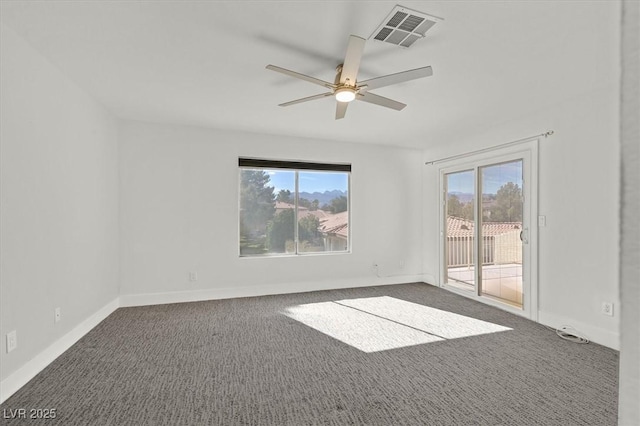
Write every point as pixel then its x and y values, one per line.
pixel 347 88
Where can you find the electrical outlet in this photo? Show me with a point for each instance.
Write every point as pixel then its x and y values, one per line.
pixel 56 315
pixel 193 276
pixel 401 264
pixel 607 308
pixel 12 340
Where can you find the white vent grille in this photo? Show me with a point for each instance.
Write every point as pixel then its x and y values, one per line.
pixel 403 27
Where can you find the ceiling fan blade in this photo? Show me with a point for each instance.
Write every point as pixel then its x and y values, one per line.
pixel 396 78
pixel 341 109
pixel 308 98
pixel 301 76
pixel 352 60
pixel 380 100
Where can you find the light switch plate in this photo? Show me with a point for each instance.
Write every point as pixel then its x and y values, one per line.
pixel 12 340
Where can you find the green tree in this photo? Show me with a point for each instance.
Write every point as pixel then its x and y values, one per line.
pixel 303 202
pixel 315 204
pixel 279 230
pixel 508 204
pixel 308 228
pixel 339 204
pixel 284 196
pixel 257 202
pixel 467 210
pixel 454 206
pixel 457 208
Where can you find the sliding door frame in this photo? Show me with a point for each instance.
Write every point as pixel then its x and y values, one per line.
pixel 528 152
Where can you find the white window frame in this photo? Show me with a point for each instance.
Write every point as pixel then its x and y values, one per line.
pixel 296 167
pixel 529 152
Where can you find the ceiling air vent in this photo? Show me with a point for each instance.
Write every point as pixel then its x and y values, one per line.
pixel 403 26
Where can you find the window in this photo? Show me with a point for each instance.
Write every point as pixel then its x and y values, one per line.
pixel 289 208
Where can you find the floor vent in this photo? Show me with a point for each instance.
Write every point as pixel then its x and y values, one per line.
pixel 403 26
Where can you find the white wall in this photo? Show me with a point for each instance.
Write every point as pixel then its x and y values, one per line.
pixel 179 210
pixel 59 212
pixel 579 186
pixel 579 195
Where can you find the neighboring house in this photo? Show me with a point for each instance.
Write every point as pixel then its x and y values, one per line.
pixel 333 227
pixel 320 214
pixel 281 206
pixel 302 211
pixel 335 231
pixel 500 241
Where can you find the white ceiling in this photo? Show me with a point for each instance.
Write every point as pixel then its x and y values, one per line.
pixel 203 63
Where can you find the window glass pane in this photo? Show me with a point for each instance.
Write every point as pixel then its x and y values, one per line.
pixel 323 211
pixel 293 211
pixel 459 229
pixel 267 222
pixel 502 207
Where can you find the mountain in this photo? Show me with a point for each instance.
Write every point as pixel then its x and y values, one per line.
pixel 323 197
pixel 462 196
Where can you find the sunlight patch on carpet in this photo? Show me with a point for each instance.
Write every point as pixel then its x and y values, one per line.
pixel 380 323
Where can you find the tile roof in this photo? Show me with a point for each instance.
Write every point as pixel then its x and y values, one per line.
pixel 283 206
pixel 459 227
pixel 302 211
pixel 320 214
pixel 337 224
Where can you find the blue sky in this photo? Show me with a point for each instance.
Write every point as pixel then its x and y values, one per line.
pixel 493 177
pixel 308 181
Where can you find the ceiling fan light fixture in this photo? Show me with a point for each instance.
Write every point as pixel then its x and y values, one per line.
pixel 345 94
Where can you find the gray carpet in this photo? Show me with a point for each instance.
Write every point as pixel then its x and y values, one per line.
pixel 242 362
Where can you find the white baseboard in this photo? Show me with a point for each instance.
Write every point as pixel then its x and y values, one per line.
pixel 597 335
pixel 128 300
pixel 430 279
pixel 19 378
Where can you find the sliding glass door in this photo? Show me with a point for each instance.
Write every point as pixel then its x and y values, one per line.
pixel 485 231
pixel 501 232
